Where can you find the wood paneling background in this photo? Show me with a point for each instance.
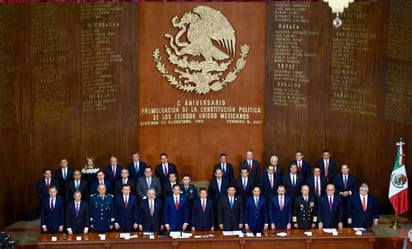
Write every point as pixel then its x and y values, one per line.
pixel 31 142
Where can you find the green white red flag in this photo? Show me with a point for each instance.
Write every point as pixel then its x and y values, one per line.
pixel 398 184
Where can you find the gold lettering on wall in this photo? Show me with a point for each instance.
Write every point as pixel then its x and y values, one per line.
pixel 352 41
pixel 291 28
pixel 398 96
pixel 100 23
pixel 50 58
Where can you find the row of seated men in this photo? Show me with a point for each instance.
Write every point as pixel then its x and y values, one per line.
pixel 126 213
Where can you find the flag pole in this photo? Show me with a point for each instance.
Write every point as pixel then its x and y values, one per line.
pixel 395 224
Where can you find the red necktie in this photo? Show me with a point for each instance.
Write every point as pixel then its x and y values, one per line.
pixel 271 181
pixel 47 183
pixel 326 168
pixel 177 203
pixel 300 167
pixel 250 166
pixel 364 203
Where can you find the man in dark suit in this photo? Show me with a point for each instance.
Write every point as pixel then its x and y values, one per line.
pixel 280 210
pixel 146 182
pixel 303 166
pixel 330 214
pixel 125 179
pixel 74 185
pixel 176 211
pixel 328 166
pixel 345 183
pixel 363 208
pixel 278 169
pixel 126 211
pixel 244 185
pixel 256 216
pixel 101 210
pixel 226 168
pixel 151 213
pixel 136 167
pixel 63 175
pixel 304 210
pixel 167 188
pixel 164 168
pixel 317 183
pixel 112 173
pixel 216 190
pixel 230 211
pixel 77 215
pixel 252 165
pixel 203 216
pixel 292 182
pixel 44 185
pixel 52 213
pixel 269 183
pixel 100 179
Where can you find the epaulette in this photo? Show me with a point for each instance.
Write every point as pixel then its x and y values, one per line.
pixel 110 195
pixel 294 219
pixel 93 195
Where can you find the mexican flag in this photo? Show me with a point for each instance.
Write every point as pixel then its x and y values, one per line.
pixel 398 185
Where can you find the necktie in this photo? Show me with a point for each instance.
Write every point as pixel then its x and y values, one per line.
pixel 48 183
pixel 364 203
pixel 177 203
pixel 165 169
pixel 77 185
pixel 231 202
pixel 345 181
pixel 219 184
pixel 271 180
pixel 281 203
pixel 204 205
pixel 306 199
pixel 250 166
pixel 317 187
pixel 52 204
pixel 64 173
pixel 101 182
pixel 151 208
pixel 136 167
pixel 224 168
pixel 114 171
pixel 244 184
pixel 300 167
pixel 330 203
pixel 77 209
pixel 257 202
pixel 326 167
pixel 124 181
pixel 148 182
pixel 293 180
pixel 125 201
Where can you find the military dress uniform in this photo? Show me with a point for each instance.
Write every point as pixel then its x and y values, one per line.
pixel 191 194
pixel 101 212
pixel 304 212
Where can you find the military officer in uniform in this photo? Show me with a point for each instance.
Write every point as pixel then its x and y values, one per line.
pixel 190 191
pixel 101 210
pixel 304 210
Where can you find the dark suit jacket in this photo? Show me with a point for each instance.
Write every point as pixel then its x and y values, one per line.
pixel 255 173
pixel 126 216
pixel 108 175
pixel 244 193
pixel 52 219
pixel 213 190
pixel 176 218
pixel 340 185
pixel 256 217
pixel 311 183
pixel 292 191
pixel 306 170
pixel 142 187
pixel 42 190
pixel 332 169
pixel 151 223
pixel 203 221
pixel 167 189
pixel 228 174
pixel 330 219
pixel 355 211
pixel 280 217
pixel 70 189
pixel 278 171
pixel 93 188
pixel 58 175
pixel 267 190
pixel 77 223
pixel 230 217
pixel 136 174
pixel 159 172
pixel 119 184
